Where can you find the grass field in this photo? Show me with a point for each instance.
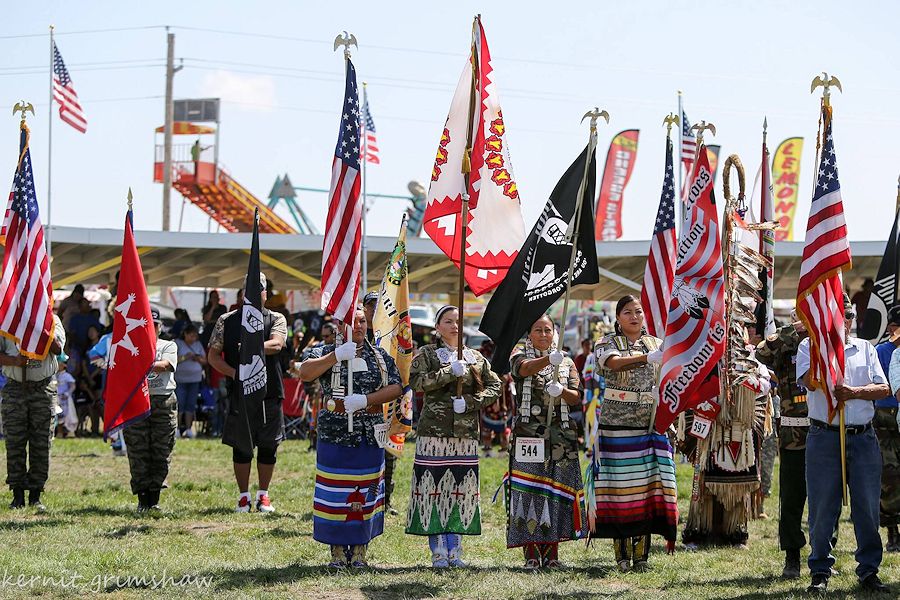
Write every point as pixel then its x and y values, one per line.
pixel 91 540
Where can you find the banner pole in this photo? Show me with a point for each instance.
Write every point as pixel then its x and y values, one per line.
pixel 464 212
pixel 575 224
pixel 47 229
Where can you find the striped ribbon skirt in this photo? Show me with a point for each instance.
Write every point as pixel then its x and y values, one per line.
pixel 634 485
pixel 348 502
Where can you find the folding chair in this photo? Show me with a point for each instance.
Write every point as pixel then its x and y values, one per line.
pixel 295 409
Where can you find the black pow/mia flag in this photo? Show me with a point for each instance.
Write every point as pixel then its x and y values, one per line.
pixel 884 297
pixel 537 278
pixel 251 372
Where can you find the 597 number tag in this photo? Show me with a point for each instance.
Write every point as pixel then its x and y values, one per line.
pixel 529 450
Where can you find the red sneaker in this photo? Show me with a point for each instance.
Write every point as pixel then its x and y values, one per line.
pixel 243 505
pixel 264 505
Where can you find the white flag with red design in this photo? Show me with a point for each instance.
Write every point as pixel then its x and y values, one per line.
pixel 496 230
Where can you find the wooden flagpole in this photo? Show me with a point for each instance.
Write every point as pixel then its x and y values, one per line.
pixel 464 213
pixel 826 83
pixel 575 223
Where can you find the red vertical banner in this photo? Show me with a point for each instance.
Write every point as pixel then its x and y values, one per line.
pixel 619 165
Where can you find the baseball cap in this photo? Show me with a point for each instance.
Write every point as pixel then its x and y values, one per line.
pixel 155 314
pixel 370 297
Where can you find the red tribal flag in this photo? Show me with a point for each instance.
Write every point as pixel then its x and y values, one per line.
pixel 660 270
pixel 26 310
pixel 820 292
pixel 495 227
pixel 343 228
pixel 132 350
pixel 695 329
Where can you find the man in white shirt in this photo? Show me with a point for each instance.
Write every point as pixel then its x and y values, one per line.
pixel 864 382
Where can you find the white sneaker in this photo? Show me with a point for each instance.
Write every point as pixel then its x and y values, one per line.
pixel 263 504
pixel 188 434
pixel 243 505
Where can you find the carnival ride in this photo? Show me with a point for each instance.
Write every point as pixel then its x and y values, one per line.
pixel 198 175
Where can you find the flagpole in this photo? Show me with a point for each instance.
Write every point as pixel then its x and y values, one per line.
pixel 346 41
pixel 575 224
pixel 464 212
pixel 668 122
pixel 825 117
pixel 680 161
pixel 365 207
pixel 47 229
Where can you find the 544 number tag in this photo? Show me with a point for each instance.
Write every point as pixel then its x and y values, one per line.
pixel 529 450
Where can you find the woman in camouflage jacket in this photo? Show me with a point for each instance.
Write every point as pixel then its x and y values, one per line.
pixel 445 489
pixel 545 486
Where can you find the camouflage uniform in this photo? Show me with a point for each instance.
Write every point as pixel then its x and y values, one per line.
pixel 150 441
pixel 779 353
pixel 556 503
pixel 28 409
pixel 445 486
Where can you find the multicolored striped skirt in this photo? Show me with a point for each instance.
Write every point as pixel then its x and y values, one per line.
pixel 445 489
pixel 348 502
pixel 634 485
pixel 544 503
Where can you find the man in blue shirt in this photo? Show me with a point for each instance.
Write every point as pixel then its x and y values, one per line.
pixel 864 382
pixel 886 430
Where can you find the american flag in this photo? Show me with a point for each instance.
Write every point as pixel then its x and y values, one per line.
pixel 695 328
pixel 819 294
pixel 658 274
pixel 26 293
pixel 688 144
pixel 64 92
pixel 370 148
pixel 343 229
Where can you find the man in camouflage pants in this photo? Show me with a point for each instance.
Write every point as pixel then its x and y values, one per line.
pixel 885 423
pixel 28 408
pixel 779 353
pixel 150 441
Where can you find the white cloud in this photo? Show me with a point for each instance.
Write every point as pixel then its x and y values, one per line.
pixel 254 92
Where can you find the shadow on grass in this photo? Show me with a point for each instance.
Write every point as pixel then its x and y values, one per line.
pixel 242 578
pixel 399 590
pixel 121 532
pixel 29 524
pixel 98 511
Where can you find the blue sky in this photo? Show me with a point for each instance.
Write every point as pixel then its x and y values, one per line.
pixel 735 61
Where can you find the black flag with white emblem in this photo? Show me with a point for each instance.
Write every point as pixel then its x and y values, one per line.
pixel 884 297
pixel 251 372
pixel 538 276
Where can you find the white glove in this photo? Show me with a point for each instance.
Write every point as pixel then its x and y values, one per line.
pixel 354 402
pixel 554 389
pixel 346 351
pixel 459 405
pixel 556 358
pixel 655 357
pixel 458 367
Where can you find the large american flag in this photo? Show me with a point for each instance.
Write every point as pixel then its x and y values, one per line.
pixel 658 274
pixel 26 293
pixel 343 229
pixel 370 148
pixel 820 295
pixel 64 93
